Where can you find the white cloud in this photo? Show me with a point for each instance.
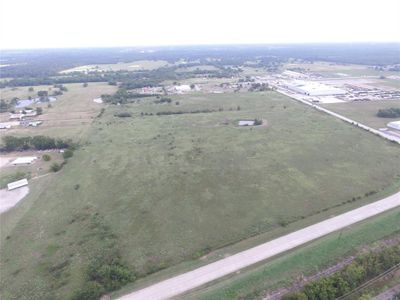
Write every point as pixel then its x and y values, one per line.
pixel 89 23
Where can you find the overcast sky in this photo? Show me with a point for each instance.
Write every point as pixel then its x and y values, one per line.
pixel 92 23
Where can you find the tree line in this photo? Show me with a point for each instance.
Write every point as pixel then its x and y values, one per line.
pixel 389 113
pixel 362 269
pixel 38 142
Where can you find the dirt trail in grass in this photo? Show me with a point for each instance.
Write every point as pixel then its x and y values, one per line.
pixel 193 279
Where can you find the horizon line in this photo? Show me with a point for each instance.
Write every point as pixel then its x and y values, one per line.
pixel 199 45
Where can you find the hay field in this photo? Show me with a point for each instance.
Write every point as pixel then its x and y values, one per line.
pixel 172 188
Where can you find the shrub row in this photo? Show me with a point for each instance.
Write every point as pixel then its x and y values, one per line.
pixel 106 271
pixel 123 115
pixel 38 142
pixel 389 113
pixel 361 270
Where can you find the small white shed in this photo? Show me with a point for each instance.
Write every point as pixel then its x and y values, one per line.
pixel 246 123
pixel 17 184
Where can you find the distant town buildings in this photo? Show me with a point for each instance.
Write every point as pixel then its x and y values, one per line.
pixel 311 88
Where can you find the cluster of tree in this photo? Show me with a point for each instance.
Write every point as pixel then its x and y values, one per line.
pixel 122 96
pixel 163 100
pixel 36 64
pixel 197 111
pixel 106 270
pixel 258 122
pixel 389 113
pixel 259 87
pixel 38 142
pixel 4 106
pixel 361 270
pixel 246 79
pixel 61 87
pixel 123 115
pixel 126 79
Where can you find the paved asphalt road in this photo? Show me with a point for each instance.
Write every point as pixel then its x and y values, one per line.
pixel 190 280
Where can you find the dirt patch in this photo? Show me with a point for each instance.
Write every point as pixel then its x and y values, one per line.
pixel 8 199
pixel 264 123
pixel 5 160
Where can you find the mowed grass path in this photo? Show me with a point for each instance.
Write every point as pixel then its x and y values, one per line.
pixel 172 188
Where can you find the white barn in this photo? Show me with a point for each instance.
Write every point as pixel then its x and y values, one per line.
pixel 246 123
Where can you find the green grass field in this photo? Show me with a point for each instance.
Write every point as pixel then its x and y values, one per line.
pixel 172 188
pixel 255 282
pixel 339 70
pixel 365 112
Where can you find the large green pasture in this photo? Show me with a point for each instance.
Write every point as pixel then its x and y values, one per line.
pixel 171 188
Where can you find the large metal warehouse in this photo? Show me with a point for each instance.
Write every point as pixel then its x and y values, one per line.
pixel 311 88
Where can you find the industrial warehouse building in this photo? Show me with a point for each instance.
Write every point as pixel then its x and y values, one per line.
pixel 311 88
pixel 394 125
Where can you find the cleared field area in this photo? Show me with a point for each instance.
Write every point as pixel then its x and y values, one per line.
pixel 69 116
pixel 365 111
pixel 172 188
pixel 388 83
pixel 308 260
pixel 129 66
pixel 339 70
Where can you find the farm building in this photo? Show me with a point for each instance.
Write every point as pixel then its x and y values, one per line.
pixel 5 126
pixel 35 123
pixel 17 184
pixel 394 125
pixel 25 160
pixel 311 88
pixel 182 88
pixel 16 116
pixel 246 123
pixel 27 123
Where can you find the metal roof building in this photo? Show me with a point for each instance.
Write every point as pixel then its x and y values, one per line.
pixel 17 184
pixel 25 160
pixel 311 88
pixel 246 123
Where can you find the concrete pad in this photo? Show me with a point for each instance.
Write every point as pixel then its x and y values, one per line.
pixel 8 199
